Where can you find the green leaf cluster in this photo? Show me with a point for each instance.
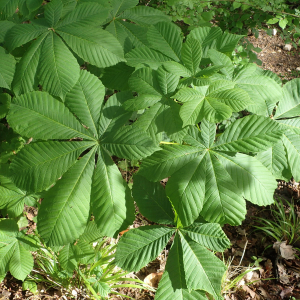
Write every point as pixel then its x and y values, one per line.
pixel 90 83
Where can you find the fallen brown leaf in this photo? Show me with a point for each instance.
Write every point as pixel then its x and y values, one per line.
pixel 153 279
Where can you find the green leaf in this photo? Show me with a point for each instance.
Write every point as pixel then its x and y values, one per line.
pixel 177 68
pixel 141 102
pixel 129 142
pixel 34 172
pixel 66 258
pixel 93 45
pixel 274 159
pixel 118 6
pixel 8 65
pixel 186 189
pixel 223 200
pixel 204 102
pixel 84 15
pixel 145 15
pixel 152 201
pixel 164 163
pixel 113 115
pixel 292 145
pixel 209 235
pixel 139 246
pixel 146 57
pixel 116 77
pixel 39 115
pixel 58 68
pixel 255 181
pixel 67 205
pixel 249 134
pixel 4 27
pixel 289 104
pixel 53 11
pixel 85 100
pixel 165 38
pixel 191 54
pixel 144 81
pixel 283 22
pixel 203 270
pixel 22 34
pixel 21 262
pixel 25 79
pixel 292 124
pixel 8 8
pixel 263 91
pixel 111 202
pixel 220 59
pixel 128 34
pixel 208 37
pixel 14 257
pixel 172 286
pixel 208 133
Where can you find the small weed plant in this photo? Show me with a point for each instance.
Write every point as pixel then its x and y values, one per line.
pixel 285 225
pixel 87 84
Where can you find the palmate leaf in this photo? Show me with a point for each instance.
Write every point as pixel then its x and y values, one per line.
pixel 94 45
pixel 164 114
pixel 90 182
pixel 213 38
pixel 197 263
pixel 68 201
pixel 7 8
pixel 53 12
pixel 292 146
pixel 211 182
pixel 172 286
pixel 12 198
pixel 35 173
pixel 289 105
pixel 214 103
pixel 129 23
pixel 111 201
pixel 22 34
pixel 146 57
pixel 223 200
pixel 274 159
pixel 54 120
pixel 249 134
pixel 13 250
pixel 85 100
pixel 58 69
pixel 25 79
pixel 85 14
pixel 8 65
pixel 150 196
pixel 165 38
pixel 255 181
pixel 128 34
pixel 209 235
pixel 262 90
pixel 141 245
pixel 144 15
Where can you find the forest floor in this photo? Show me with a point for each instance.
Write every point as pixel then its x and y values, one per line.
pixel 277 276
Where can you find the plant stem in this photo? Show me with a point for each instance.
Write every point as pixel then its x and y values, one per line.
pixel 88 285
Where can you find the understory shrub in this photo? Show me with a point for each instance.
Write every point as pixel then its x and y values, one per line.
pixel 87 83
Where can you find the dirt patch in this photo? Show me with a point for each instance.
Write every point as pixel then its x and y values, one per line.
pixel 275 55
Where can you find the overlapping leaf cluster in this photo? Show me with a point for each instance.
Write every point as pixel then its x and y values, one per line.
pixel 170 95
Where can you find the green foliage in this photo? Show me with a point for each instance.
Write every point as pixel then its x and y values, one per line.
pixel 285 225
pixel 89 84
